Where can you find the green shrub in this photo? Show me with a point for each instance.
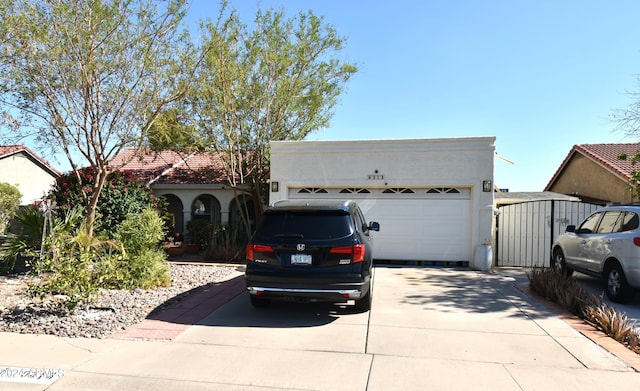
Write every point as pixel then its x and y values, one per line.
pixel 144 264
pixel 68 268
pixel 9 201
pixel 122 195
pixel 25 238
pixel 200 232
pixel 75 264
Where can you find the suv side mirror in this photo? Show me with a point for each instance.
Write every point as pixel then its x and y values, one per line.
pixel 570 228
pixel 373 226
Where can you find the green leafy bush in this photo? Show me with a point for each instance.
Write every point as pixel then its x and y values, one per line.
pixel 75 264
pixel 68 268
pixel 144 264
pixel 122 195
pixel 200 232
pixel 9 201
pixel 26 238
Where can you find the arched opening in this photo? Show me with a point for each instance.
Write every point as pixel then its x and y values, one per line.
pixel 205 219
pixel 206 207
pixel 174 216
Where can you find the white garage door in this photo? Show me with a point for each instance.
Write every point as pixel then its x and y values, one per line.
pixel 416 224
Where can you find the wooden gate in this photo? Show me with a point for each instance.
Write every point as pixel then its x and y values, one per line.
pixel 526 231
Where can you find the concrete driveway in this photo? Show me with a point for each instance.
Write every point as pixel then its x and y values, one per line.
pixel 429 328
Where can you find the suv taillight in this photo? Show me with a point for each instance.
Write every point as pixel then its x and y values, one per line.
pixel 252 249
pixel 636 241
pixel 356 251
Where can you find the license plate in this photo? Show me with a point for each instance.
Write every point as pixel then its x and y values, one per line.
pixel 300 259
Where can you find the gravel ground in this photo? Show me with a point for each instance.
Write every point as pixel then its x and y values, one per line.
pixel 109 312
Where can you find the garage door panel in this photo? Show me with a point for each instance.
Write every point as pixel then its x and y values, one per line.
pixel 415 227
pixel 420 230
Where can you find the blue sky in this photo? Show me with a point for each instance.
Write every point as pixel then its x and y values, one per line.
pixel 540 75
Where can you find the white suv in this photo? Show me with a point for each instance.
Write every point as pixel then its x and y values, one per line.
pixel 607 245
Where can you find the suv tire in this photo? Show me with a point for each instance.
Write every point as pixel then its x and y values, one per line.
pixel 616 285
pixel 364 304
pixel 259 302
pixel 560 264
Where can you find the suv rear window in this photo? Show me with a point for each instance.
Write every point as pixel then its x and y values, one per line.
pixel 310 225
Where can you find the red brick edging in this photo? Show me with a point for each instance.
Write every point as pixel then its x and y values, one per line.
pixel 173 321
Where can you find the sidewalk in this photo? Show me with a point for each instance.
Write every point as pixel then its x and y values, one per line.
pixel 429 328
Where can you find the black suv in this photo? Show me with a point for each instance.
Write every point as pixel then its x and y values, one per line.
pixel 311 251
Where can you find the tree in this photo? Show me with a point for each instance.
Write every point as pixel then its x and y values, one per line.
pixel 277 81
pixel 9 201
pixel 628 122
pixel 89 78
pixel 122 196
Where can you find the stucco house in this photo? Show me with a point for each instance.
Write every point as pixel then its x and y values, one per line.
pixel 432 197
pixel 192 183
pixel 594 173
pixel 31 174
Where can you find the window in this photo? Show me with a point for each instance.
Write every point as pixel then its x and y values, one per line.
pixel 589 225
pixel 610 222
pixel 629 222
pixel 310 225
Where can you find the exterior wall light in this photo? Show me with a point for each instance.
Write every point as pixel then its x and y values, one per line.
pixel 486 186
pixel 274 187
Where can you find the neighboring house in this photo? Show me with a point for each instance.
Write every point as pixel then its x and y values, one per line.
pixel 31 174
pixel 594 173
pixel 433 198
pixel 192 183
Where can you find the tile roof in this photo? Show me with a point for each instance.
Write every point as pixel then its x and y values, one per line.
pixel 8 150
pixel 169 167
pixel 606 155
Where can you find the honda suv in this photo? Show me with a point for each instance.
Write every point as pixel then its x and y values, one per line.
pixel 607 245
pixel 311 251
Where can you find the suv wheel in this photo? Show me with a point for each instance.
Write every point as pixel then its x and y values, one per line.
pixel 259 302
pixel 364 304
pixel 617 288
pixel 559 264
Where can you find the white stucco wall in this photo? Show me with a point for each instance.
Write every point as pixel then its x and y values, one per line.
pixel 189 193
pixel 30 178
pixel 460 162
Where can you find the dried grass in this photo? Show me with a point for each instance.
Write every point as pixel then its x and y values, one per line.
pixel 572 296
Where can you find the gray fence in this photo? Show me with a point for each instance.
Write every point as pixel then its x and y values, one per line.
pixel 526 231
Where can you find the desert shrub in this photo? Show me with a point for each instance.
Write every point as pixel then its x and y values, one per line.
pixel 572 296
pixel 228 245
pixel 76 264
pixel 615 324
pixel 68 268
